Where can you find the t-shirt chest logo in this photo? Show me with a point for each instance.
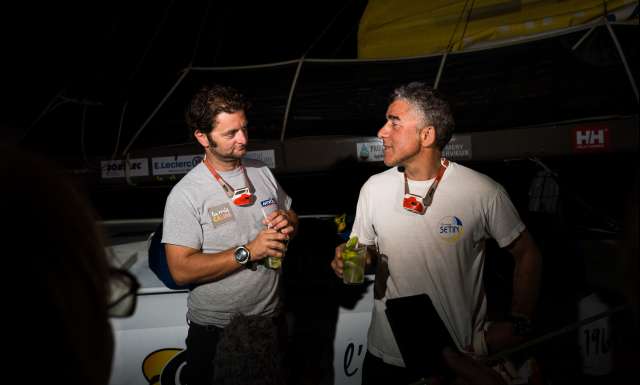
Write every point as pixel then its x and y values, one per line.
pixel 221 214
pixel 267 202
pixel 450 229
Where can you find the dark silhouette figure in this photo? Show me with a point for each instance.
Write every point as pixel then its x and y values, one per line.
pixel 59 278
pixel 249 352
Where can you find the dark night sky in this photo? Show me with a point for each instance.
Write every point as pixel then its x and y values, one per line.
pixel 112 51
pixel 117 53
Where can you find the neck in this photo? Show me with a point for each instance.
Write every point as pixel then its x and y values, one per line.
pixel 222 164
pixel 425 167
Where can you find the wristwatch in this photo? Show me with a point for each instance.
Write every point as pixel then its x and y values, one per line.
pixel 522 325
pixel 242 255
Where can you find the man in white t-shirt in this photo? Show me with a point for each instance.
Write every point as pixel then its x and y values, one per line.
pixel 427 219
pixel 220 222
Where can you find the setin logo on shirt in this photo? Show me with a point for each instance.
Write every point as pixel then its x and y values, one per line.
pixel 267 202
pixel 450 229
pixel 221 214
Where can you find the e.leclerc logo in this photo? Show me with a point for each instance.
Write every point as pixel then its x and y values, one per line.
pixel 450 229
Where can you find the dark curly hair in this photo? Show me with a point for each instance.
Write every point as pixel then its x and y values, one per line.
pixel 249 352
pixel 431 104
pixel 209 102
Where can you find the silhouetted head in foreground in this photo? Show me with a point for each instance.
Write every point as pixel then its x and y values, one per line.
pixel 59 275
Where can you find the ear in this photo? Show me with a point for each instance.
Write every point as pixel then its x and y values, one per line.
pixel 428 136
pixel 202 138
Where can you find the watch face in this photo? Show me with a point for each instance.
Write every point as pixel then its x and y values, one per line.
pixel 242 255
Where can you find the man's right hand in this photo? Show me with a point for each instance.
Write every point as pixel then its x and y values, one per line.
pixel 268 243
pixel 337 263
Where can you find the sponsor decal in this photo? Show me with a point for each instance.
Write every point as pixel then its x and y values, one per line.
pixel 267 202
pixel 268 157
pixel 459 147
pixel 167 165
pixel 372 151
pixel 450 229
pixel 590 138
pixel 221 214
pixel 116 168
pixel 164 366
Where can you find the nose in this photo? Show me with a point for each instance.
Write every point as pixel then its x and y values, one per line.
pixel 242 136
pixel 383 132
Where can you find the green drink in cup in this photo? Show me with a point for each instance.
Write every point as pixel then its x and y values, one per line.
pixel 353 257
pixel 274 262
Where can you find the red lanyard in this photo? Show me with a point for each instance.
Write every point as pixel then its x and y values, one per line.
pixel 230 191
pixel 428 198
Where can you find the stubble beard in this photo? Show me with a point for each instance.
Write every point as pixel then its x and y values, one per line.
pixel 401 162
pixel 229 158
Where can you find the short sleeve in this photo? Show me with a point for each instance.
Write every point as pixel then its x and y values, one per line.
pixel 181 222
pixel 503 222
pixel 363 222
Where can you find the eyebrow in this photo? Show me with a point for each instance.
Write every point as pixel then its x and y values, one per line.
pixel 234 130
pixel 394 118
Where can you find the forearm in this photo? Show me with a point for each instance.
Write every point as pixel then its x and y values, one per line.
pixel 526 279
pixel 526 284
pixel 199 267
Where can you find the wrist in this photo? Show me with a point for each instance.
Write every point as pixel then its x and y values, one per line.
pixel 249 246
pixel 242 255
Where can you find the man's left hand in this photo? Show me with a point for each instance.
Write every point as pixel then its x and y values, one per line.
pixel 284 221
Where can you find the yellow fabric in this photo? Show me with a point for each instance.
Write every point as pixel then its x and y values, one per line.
pixel 404 28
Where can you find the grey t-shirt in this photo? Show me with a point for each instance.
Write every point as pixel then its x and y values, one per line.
pixel 198 214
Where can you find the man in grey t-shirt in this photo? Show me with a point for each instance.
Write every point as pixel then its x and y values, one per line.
pixel 221 221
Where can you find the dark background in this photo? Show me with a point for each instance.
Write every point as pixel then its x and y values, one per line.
pixel 70 69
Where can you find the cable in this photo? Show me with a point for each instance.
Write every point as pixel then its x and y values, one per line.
pixel 450 44
pixel 115 149
pixel 326 29
pixel 153 39
pixel 203 23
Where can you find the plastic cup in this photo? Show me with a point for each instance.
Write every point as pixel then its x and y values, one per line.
pixel 276 262
pixel 353 264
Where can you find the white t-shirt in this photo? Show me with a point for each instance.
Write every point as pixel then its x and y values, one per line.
pixel 440 253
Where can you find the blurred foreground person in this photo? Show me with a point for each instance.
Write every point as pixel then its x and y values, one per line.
pixel 249 352
pixel 62 288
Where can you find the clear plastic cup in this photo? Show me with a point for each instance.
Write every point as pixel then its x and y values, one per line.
pixel 353 264
pixel 276 262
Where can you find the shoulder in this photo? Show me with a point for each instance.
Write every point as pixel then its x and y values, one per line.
pixel 472 180
pixel 190 183
pixel 382 178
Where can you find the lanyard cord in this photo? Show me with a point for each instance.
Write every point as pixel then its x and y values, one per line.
pixel 428 198
pixel 228 189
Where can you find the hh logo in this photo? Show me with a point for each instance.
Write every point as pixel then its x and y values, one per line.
pixel 590 138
